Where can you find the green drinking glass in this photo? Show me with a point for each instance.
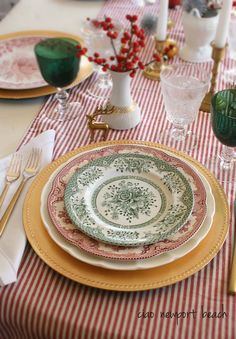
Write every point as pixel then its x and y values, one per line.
pixel 59 67
pixel 224 125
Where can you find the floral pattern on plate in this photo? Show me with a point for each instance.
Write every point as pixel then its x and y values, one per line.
pixel 91 203
pixel 18 65
pixel 72 234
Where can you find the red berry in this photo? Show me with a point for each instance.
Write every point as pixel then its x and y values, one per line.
pixel 99 61
pixel 96 23
pixel 136 50
pixel 135 59
pixel 129 65
pixel 112 35
pixel 157 57
pixel 132 74
pixel 141 65
pixel 120 58
pixel 134 18
pixel 123 40
pixel 124 50
pixel 119 67
pixel 126 35
pixel 141 43
pixel 96 55
pixel 105 26
pixel 110 26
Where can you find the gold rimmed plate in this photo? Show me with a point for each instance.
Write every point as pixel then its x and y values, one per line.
pixel 86 67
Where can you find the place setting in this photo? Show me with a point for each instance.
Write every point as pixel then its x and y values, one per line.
pixel 85 217
pixel 20 76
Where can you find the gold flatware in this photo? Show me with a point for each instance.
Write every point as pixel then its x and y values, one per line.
pixel 232 277
pixel 30 170
pixel 13 174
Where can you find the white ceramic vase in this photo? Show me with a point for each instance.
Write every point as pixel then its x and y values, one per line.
pixel 127 113
pixel 199 33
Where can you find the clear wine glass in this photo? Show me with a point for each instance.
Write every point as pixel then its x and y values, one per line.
pixel 59 67
pixel 223 114
pixel 97 41
pixel 230 75
pixel 183 87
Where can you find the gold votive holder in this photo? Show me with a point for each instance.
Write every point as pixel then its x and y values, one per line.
pixel 217 56
pixel 153 70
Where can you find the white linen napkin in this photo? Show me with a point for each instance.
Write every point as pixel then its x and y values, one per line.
pixel 13 239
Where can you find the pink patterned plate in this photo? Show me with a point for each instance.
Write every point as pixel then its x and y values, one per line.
pixel 72 234
pixel 18 65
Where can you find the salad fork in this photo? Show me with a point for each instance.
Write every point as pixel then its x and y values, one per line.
pixel 30 170
pixel 13 174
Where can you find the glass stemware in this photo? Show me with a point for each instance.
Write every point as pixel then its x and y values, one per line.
pixel 59 67
pixel 224 126
pixel 183 87
pixel 96 40
pixel 230 75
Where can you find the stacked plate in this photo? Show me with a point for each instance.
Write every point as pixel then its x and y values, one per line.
pixel 127 207
pixel 19 73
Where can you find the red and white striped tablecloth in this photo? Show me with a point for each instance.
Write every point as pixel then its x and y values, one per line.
pixel 44 304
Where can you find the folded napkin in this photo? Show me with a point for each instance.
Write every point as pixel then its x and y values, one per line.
pixel 13 239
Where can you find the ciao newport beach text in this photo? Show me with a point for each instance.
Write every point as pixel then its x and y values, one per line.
pixel 177 315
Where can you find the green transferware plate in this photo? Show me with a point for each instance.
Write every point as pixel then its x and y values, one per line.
pixel 128 199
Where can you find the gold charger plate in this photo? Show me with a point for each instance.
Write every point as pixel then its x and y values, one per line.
pixel 86 67
pixel 98 277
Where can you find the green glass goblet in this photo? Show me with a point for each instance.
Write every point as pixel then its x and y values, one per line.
pixel 59 67
pixel 224 126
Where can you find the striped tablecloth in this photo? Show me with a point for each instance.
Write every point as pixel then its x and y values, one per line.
pixel 44 304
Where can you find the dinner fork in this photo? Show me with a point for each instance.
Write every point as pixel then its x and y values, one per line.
pixel 30 170
pixel 232 277
pixel 13 174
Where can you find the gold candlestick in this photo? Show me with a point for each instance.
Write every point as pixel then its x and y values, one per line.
pixel 153 71
pixel 217 56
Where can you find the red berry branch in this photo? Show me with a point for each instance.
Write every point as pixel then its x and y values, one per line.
pixel 132 42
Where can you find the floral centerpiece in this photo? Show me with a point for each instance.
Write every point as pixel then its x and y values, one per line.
pixel 132 42
pixel 121 112
pixel 200 18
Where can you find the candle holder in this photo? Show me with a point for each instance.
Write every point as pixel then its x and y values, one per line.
pixel 217 56
pixel 153 71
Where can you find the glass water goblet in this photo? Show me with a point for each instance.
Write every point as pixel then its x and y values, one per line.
pixel 230 75
pixel 223 113
pixel 97 41
pixel 183 87
pixel 59 67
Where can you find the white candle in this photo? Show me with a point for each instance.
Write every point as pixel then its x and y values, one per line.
pixel 162 20
pixel 223 24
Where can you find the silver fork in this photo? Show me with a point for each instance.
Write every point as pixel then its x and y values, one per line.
pixel 13 174
pixel 30 170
